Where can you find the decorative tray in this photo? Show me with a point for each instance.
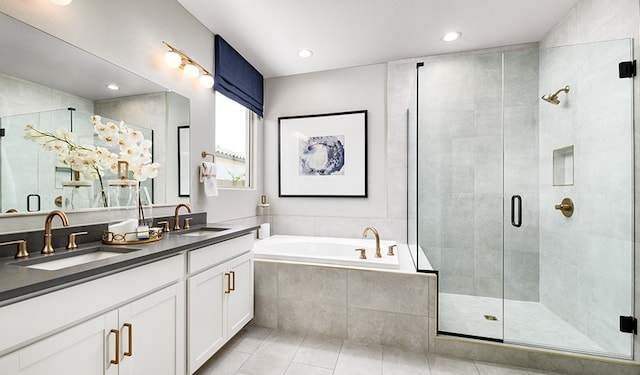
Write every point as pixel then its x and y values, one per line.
pixel 129 238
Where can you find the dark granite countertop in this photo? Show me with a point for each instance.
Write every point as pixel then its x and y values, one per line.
pixel 18 282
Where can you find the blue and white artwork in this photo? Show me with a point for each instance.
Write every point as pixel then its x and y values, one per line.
pixel 322 155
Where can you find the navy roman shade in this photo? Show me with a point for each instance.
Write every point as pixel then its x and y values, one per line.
pixel 236 78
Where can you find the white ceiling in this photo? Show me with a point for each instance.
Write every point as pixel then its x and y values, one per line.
pixel 344 33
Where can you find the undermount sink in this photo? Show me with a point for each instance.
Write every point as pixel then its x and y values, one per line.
pixel 74 258
pixel 201 232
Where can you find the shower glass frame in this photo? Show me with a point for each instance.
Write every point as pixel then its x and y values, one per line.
pixel 524 269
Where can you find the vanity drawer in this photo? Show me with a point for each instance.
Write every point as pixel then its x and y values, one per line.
pixel 211 255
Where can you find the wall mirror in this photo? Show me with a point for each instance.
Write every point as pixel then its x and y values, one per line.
pixel 41 77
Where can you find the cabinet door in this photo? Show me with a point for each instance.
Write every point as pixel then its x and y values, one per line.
pixel 80 350
pixel 206 329
pixel 240 300
pixel 149 330
pixel 10 364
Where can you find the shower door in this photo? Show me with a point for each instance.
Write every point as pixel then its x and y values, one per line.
pixel 495 164
pixel 568 266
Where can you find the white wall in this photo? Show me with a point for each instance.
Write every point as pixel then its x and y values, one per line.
pixel 130 34
pixel 360 88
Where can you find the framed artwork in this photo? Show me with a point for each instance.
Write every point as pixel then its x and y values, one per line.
pixel 323 155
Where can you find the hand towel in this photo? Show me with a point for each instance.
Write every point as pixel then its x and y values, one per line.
pixel 208 177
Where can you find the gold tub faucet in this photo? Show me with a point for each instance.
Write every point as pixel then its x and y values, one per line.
pixel 48 249
pixel 377 236
pixel 176 218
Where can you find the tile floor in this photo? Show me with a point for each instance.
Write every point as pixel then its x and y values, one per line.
pixel 523 323
pixel 263 351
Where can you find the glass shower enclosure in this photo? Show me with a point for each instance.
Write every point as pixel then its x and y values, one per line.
pixel 524 205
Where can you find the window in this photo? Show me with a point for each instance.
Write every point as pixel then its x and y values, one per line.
pixel 234 143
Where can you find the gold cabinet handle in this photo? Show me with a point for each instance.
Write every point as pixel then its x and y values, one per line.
pixel 363 253
pixel 129 352
pixel 228 276
pixel 233 281
pixel 117 360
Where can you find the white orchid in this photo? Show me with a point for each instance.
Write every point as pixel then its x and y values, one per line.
pixel 133 148
pixel 93 161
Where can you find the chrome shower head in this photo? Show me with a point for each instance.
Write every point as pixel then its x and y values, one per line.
pixel 553 98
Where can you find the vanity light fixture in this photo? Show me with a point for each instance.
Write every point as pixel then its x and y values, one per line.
pixel 305 53
pixel 174 58
pixel 451 36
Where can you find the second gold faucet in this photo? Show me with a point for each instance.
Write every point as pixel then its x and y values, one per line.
pixel 176 218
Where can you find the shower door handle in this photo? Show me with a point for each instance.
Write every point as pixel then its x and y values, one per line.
pixel 517 223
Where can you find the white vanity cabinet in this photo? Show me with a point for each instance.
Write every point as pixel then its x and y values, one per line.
pixel 220 296
pixel 143 336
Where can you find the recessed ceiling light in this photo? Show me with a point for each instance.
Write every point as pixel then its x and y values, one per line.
pixel 61 2
pixel 450 37
pixel 304 53
pixel 113 86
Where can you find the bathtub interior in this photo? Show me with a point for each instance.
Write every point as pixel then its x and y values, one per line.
pixel 333 251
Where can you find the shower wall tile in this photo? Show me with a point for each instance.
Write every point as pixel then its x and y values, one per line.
pixel 488 121
pixel 606 20
pixel 521 78
pixel 563 33
pixel 521 133
pixel 487 81
pixel 521 266
pixel 489 287
pixel 488 263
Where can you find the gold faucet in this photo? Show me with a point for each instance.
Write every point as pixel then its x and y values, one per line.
pixel 176 218
pixel 48 249
pixel 375 233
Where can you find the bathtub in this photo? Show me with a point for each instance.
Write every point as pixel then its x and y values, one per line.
pixel 326 251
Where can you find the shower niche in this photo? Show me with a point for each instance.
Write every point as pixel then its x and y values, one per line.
pixel 485 133
pixel 563 166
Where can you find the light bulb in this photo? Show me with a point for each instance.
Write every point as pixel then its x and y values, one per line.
pixel 305 53
pixel 172 59
pixel 450 37
pixel 190 71
pixel 206 81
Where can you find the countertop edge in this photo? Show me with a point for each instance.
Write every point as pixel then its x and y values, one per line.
pixel 79 274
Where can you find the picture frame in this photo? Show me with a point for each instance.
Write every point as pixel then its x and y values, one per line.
pixel 323 155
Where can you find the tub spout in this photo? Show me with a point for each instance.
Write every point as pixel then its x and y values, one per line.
pixel 377 236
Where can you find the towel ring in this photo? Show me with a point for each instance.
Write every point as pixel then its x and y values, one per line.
pixel 205 154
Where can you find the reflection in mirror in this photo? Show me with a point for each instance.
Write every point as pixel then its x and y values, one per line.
pixel 40 78
pixel 31 171
pixel 183 161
